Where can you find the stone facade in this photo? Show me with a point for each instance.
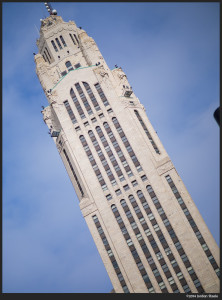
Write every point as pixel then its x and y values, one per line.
pixel 191 266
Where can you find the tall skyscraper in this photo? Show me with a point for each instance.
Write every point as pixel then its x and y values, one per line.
pixel 148 231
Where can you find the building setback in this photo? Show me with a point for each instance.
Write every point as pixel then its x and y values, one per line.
pixel 147 229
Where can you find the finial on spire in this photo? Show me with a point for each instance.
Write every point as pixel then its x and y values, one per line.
pixel 50 9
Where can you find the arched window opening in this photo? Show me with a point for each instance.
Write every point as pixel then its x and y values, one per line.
pixel 72 39
pixel 54 46
pixel 76 38
pixel 63 41
pixel 58 43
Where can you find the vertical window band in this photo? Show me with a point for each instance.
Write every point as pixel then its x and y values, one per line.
pixel 110 254
pixel 146 131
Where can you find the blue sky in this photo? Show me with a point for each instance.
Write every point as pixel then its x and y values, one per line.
pixel 170 54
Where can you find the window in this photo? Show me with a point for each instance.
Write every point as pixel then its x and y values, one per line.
pixel 168 178
pixel 178 245
pixel 77 66
pixel 180 200
pixel 128 214
pixel 113 182
pixel 73 172
pixel 129 242
pixel 156 272
pixel 119 219
pixel 173 263
pixel 184 257
pixel 166 222
pixel 108 197
pixel 113 207
pixel 143 177
pixel 179 275
pixel 105 242
pixel 115 265
pixel 145 205
pixel 133 225
pixel 162 285
pixel 142 221
pixel 76 38
pixel 95 219
pixel 63 73
pixel 124 230
pixel 174 189
pixel 151 290
pixel 211 259
pixel 139 236
pixel 159 255
pixel 110 253
pixel 150 260
pixel 160 211
pixel 204 246
pixel 104 187
pixel 123 203
pixel 129 173
pixel 101 94
pixel 140 266
pixel 192 223
pixel 198 235
pixel 149 189
pixel 69 65
pixel 146 131
pixel 101 115
pixel 147 232
pixel 140 194
pixel 196 283
pixel 100 230
pixel 93 120
pixel 151 216
pixel 186 288
pixel 155 200
pixel 156 227
pixel 44 57
pixel 58 43
pixel 118 192
pixel 153 244
pixel 54 46
pixel 77 104
pixel 186 211
pixel 72 39
pixel 126 187
pixel 167 251
pixel 120 276
pixel 86 124
pixel 121 178
pixel 134 183
pixel 47 57
pixel 190 270
pixel 62 40
pixel 171 280
pixel 139 168
pixel 77 128
pixel 125 289
pixel 146 278
pixel 109 110
pixel 172 233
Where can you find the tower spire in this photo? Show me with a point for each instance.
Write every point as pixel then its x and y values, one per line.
pixel 50 9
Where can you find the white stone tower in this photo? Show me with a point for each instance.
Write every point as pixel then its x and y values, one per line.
pixel 147 229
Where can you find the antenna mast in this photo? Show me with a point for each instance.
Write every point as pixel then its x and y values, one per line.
pixel 50 9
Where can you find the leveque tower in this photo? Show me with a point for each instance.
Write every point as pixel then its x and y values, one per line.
pixel 147 229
